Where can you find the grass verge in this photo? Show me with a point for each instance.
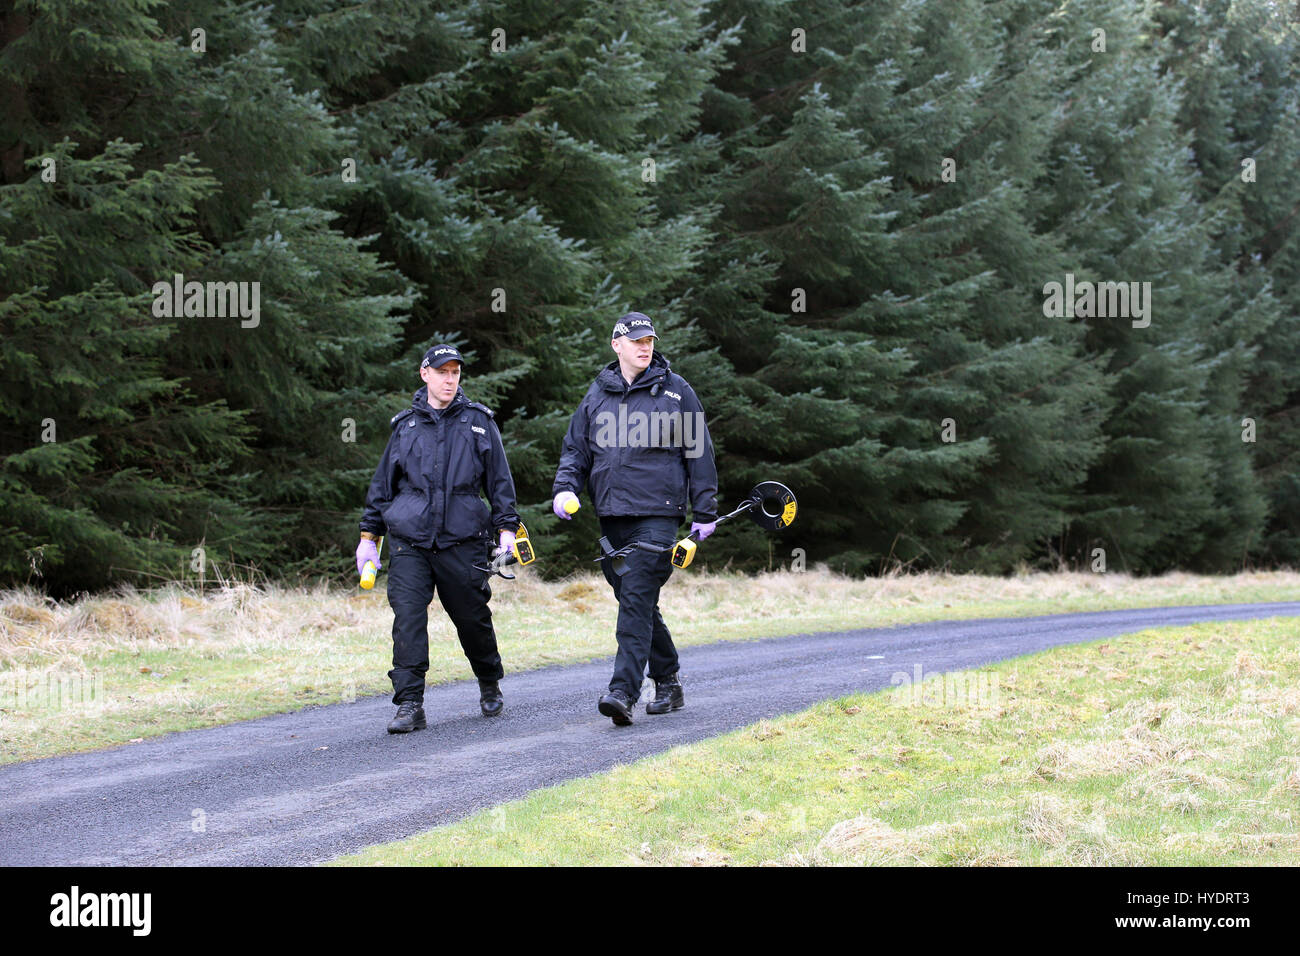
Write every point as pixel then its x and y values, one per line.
pixel 110 670
pixel 1173 746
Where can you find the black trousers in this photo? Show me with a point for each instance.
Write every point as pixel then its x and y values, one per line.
pixel 414 573
pixel 641 632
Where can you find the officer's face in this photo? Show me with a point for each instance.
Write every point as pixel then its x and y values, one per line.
pixel 443 382
pixel 635 353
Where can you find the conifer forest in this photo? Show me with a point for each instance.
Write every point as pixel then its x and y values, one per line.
pixel 990 284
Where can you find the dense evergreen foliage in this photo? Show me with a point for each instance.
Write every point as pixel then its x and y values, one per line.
pixel 845 219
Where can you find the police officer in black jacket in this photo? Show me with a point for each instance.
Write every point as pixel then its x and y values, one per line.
pixel 639 444
pixel 443 452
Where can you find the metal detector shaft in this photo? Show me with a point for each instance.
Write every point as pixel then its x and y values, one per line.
pixel 684 550
pixel 749 503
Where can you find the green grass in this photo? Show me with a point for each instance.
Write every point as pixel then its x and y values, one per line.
pixel 178 660
pixel 1174 746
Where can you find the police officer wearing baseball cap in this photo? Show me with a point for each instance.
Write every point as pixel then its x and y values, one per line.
pixel 425 496
pixel 641 489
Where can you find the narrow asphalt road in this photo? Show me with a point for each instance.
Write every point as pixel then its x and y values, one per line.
pixel 308 786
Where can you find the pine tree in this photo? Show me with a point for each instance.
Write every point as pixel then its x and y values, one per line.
pixel 844 218
pixel 106 457
pixel 504 170
pixel 216 434
pixel 920 315
pixel 1238 65
pixel 1119 195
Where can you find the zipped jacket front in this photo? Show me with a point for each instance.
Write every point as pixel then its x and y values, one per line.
pixel 630 472
pixel 428 485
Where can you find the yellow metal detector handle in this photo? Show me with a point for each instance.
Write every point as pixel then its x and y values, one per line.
pixel 521 552
pixel 369 571
pixel 523 548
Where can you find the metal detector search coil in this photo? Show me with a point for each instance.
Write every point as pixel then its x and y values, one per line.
pixel 770 505
pixel 776 505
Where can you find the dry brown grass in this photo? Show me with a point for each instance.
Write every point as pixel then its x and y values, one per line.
pixel 698 604
pixel 1071 834
pixel 240 616
pixel 1289 772
pixel 866 841
pixel 1248 665
pixel 1153 734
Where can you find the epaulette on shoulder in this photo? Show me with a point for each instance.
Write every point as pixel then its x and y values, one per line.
pixel 400 415
pixel 483 408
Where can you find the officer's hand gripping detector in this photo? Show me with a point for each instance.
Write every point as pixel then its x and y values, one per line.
pixel 369 571
pixel 684 550
pixel 522 549
pixel 521 552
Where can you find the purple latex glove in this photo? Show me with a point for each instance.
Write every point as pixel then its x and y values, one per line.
pixel 507 540
pixel 558 504
pixel 367 550
pixel 702 529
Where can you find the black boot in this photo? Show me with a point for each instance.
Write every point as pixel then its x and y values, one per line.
pixel 490 700
pixel 668 696
pixel 617 706
pixel 410 716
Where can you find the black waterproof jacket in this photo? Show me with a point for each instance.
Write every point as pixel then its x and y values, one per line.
pixel 629 469
pixel 427 485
